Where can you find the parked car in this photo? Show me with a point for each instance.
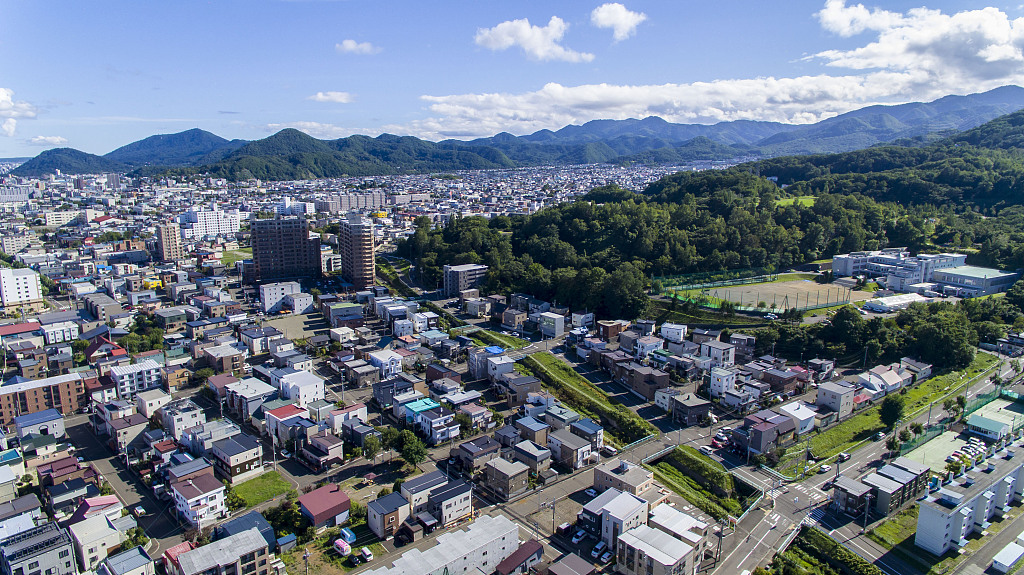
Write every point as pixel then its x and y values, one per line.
pixel 606 557
pixel 844 456
pixel 591 492
pixel 366 554
pixel 578 537
pixel 717 444
pixel 139 511
pixel 354 559
pixel 721 436
pixel 706 450
pixel 598 549
pixel 825 468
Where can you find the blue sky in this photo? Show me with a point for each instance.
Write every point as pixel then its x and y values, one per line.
pixel 97 75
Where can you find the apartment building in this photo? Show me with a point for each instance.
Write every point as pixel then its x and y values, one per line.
pixel 20 289
pixel 356 247
pixel 272 296
pixel 237 458
pixel 611 514
pixel 131 379
pixel 487 541
pixel 244 553
pixel 46 548
pixel 202 223
pixel 180 415
pixel 168 239
pixel 283 248
pixel 65 393
pixel 462 277
pixel 200 501
pixel 623 476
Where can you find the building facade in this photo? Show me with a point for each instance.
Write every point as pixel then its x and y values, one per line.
pixel 355 242
pixel 283 249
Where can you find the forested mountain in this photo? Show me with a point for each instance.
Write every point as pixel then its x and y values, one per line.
pixel 68 161
pixel 652 140
pixel 189 148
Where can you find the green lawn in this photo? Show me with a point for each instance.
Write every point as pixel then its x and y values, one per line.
pixel 262 488
pixel 229 257
pixel 798 200
pixel 487 337
pixel 661 311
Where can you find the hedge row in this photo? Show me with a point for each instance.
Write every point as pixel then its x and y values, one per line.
pixel 689 490
pixel 826 550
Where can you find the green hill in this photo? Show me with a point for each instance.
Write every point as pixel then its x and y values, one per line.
pixel 188 148
pixel 68 161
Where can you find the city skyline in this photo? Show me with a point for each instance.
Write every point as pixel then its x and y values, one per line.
pixel 95 77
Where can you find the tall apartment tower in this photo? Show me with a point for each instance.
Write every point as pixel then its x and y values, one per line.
pixel 355 242
pixel 168 237
pixel 282 249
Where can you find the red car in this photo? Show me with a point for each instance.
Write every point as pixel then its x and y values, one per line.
pixel 717 444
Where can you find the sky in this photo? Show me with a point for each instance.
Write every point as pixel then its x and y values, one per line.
pixel 100 74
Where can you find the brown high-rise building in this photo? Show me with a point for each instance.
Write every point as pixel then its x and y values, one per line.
pixel 282 249
pixel 168 237
pixel 355 242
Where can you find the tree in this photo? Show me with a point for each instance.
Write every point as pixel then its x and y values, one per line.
pixel 905 435
pixel 201 375
pixel 397 486
pixel 949 406
pixel 233 500
pixel 1015 365
pixel 135 537
pixel 891 410
pixel 314 292
pixel 892 444
pixel 388 437
pixel 371 447
pixel 384 491
pixel 954 466
pixel 961 404
pixel 917 428
pixel 465 423
pixel 357 511
pixel 413 451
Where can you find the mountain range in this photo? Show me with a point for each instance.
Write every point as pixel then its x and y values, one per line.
pixel 291 154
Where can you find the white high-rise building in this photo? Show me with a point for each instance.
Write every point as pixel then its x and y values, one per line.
pixel 200 223
pixel 20 288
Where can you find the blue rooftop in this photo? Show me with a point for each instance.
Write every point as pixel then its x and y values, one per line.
pixel 532 424
pixel 588 426
pixel 36 418
pixel 494 349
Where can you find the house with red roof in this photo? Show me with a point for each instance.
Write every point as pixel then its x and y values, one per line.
pixel 325 507
pixel 278 420
pixel 170 557
pixel 103 348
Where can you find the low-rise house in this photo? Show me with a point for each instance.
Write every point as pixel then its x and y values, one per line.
pixel 326 506
pixel 245 397
pixel 474 454
pixel 451 502
pixel 180 415
pixel 199 440
pixel 836 396
pixel 242 553
pixel 385 515
pixel 96 537
pixel 46 422
pixel 237 458
pixel 612 513
pixel 148 402
pixel 589 429
pixel 200 500
pixel 522 560
pixel 506 479
pixel 533 455
pixel 437 425
pixel 533 430
pixel 516 388
pixel 644 550
pixel 683 527
pixel 623 476
pixel 324 450
pixel 569 450
pixel 134 561
pixel 688 409
pixel 416 491
pixel 559 416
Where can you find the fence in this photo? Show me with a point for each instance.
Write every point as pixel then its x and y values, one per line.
pixel 777 303
pixel 708 280
pixel 983 399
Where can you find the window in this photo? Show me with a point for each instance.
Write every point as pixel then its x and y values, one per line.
pixel 64 553
pixel 33 565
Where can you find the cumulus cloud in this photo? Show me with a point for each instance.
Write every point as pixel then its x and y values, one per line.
pixel 333 97
pixel 11 110
pixel 538 42
pixel 315 129
pixel 620 19
pixel 918 55
pixel 47 140
pixel 349 46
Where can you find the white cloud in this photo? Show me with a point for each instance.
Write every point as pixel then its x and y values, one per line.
pixel 334 97
pixel 315 129
pixel 47 140
pixel 620 19
pixel 11 110
pixel 539 43
pixel 919 55
pixel 349 46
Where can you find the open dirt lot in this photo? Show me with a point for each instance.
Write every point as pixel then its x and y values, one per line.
pixel 785 295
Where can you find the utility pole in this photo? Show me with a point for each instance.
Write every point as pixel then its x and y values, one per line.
pixel 867 507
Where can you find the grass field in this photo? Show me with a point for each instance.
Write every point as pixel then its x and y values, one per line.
pixel 262 488
pixel 324 559
pixel 797 200
pixel 587 399
pixel 229 257
pixel 690 490
pixel 813 552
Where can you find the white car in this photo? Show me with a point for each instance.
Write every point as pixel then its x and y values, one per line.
pixel 825 468
pixel 578 537
pixel 706 450
pixel 591 492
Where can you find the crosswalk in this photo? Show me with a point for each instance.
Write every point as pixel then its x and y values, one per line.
pixel 816 515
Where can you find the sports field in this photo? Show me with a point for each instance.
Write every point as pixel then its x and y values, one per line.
pixel 785 295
